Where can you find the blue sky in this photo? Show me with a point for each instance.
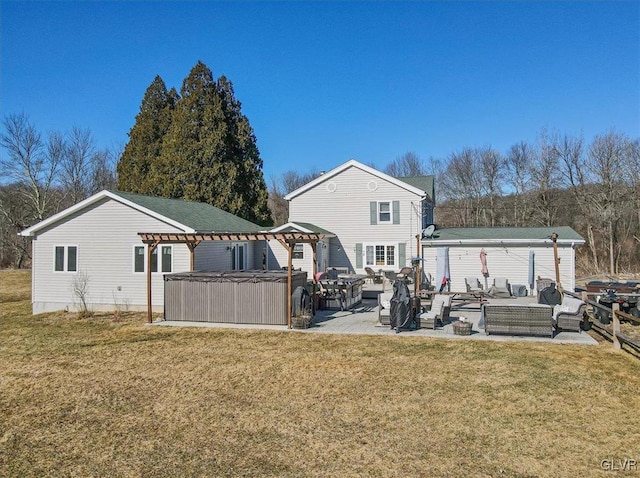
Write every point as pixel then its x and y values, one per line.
pixel 325 82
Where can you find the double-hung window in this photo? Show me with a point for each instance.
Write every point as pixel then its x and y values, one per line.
pixel 66 259
pixel 140 259
pixel 384 212
pixel 298 251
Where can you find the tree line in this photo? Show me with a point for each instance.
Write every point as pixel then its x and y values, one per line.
pixel 555 180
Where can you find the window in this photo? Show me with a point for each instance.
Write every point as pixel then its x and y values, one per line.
pixel 380 254
pixel 239 256
pixel 298 251
pixel 140 259
pixel 66 259
pixel 384 211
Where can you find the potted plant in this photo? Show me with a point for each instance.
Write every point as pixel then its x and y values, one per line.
pixel 303 321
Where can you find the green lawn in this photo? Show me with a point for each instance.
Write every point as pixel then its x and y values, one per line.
pixel 114 397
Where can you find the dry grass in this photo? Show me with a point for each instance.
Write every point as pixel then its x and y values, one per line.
pixel 100 397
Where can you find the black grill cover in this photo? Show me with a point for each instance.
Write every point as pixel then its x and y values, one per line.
pixel 550 296
pixel 400 313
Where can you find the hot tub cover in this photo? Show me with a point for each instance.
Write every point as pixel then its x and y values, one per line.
pixel 251 276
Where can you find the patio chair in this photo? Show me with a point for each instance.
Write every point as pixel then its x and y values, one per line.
pixel 373 276
pixel 384 308
pixel 439 312
pixel 500 288
pixel 569 315
pixel 407 273
pixel 473 284
pixel 332 290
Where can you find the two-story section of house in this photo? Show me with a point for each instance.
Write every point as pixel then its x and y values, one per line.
pixel 373 218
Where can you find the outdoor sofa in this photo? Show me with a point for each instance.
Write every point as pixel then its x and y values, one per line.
pixel 517 319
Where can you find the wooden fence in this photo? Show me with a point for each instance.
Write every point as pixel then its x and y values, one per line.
pixel 617 338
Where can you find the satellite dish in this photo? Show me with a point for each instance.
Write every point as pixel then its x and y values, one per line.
pixel 428 231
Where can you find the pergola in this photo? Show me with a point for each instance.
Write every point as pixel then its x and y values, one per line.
pixel 287 239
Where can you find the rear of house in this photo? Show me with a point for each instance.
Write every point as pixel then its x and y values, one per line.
pixel 374 218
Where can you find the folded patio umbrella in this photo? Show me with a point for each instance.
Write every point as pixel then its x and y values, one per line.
pixel 443 276
pixel 532 268
pixel 484 270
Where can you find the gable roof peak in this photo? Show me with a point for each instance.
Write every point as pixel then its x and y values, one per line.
pixel 188 216
pixel 352 163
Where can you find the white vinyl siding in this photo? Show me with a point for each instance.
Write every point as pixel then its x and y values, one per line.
pixel 103 233
pixel 510 262
pixel 348 212
pixel 277 257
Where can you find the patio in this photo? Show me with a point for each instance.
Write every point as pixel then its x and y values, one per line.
pixel 363 319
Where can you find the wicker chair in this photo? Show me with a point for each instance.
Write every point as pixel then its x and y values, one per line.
pixel 500 288
pixel 407 273
pixel 473 284
pixel 373 276
pixel 569 315
pixel 439 312
pixel 332 291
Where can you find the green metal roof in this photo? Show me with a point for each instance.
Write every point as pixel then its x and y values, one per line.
pixel 565 233
pixel 198 216
pixel 313 228
pixel 426 183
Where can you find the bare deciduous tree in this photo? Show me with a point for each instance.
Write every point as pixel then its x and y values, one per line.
pixel 518 165
pixel 280 187
pixel 407 165
pixel 31 163
pixel 76 166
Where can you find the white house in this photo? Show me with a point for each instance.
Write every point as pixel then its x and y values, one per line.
pixel 96 242
pixel 370 218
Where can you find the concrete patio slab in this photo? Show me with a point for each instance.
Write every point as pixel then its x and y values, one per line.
pixel 364 320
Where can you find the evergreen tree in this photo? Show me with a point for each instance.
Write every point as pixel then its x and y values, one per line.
pixel 206 151
pixel 139 168
pixel 249 193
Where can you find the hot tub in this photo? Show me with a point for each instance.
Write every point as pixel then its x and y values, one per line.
pixel 233 297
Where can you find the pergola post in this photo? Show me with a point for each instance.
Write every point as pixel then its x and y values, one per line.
pixel 192 256
pixel 151 247
pixel 418 276
pixel 314 248
pixel 289 283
